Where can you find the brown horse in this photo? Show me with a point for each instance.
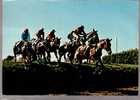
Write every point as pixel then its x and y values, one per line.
pixel 92 53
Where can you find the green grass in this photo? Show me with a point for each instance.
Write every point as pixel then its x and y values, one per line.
pixel 45 77
pixel 11 65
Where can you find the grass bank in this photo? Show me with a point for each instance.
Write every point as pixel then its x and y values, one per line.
pixel 47 78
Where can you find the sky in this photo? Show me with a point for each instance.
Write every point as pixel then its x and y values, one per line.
pixel 112 18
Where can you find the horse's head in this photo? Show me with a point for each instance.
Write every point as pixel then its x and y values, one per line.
pixel 108 46
pixel 105 44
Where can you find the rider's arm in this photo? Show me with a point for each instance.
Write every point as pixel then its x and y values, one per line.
pixel 84 33
pixel 72 32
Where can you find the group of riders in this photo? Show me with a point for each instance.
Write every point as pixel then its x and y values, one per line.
pixel 76 37
pixel 40 36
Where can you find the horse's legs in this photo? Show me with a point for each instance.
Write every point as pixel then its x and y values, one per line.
pixel 44 56
pixel 60 56
pixel 14 51
pixel 71 58
pixel 34 56
pixel 80 59
pixel 101 62
pixel 40 58
pixel 48 56
pixel 89 61
pixel 15 57
pixel 23 59
pixel 65 57
pixel 92 59
pixel 55 52
pixel 29 57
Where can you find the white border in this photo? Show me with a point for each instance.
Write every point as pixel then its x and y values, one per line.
pixel 45 97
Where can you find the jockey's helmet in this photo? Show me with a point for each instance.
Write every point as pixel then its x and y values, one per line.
pixel 53 31
pixel 82 26
pixel 26 30
pixel 42 29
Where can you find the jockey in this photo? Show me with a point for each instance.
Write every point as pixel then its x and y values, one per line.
pixel 79 31
pixel 40 34
pixel 25 37
pixel 51 36
pixel 93 39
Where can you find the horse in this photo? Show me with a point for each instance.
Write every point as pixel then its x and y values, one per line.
pixel 40 49
pixel 94 53
pixel 71 49
pixel 23 48
pixel 52 46
pixel 62 51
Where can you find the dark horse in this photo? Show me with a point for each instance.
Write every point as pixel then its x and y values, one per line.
pixel 70 49
pixel 52 47
pixel 94 54
pixel 62 51
pixel 40 49
pixel 24 49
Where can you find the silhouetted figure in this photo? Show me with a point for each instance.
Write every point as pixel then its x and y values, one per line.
pixel 40 34
pixel 51 36
pixel 24 47
pixel 76 34
pixel 25 37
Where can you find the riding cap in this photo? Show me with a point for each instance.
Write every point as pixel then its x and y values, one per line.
pixel 41 29
pixel 82 26
pixel 26 30
pixel 53 30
